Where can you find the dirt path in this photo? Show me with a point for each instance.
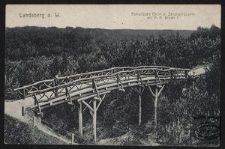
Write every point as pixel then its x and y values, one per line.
pixel 14 109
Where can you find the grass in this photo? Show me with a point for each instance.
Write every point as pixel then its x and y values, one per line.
pixel 16 132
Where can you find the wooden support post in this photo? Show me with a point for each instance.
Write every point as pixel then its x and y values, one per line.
pixel 155 107
pixel 23 111
pixel 94 120
pixel 140 91
pixel 139 120
pixel 72 138
pixel 156 95
pixel 35 100
pixel 36 120
pixel 80 119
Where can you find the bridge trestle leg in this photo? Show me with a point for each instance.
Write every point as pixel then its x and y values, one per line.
pixel 38 114
pixel 156 95
pixel 80 111
pixel 93 111
pixel 156 106
pixel 140 91
pixel 139 114
pixel 36 120
pixel 94 120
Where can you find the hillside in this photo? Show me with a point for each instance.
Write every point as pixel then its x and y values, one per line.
pixel 18 132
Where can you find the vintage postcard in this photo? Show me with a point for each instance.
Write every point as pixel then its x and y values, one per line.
pixel 121 75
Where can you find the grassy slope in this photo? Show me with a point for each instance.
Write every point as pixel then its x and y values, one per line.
pixel 16 132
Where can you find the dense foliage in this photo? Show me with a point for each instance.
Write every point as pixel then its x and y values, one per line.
pixel 34 53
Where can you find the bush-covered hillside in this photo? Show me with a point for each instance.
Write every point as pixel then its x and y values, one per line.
pixel 34 53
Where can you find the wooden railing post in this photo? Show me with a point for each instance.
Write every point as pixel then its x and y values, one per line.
pixel 24 93
pixel 186 74
pixel 171 73
pixel 138 77
pixel 67 92
pixel 35 99
pixel 117 78
pixel 55 83
pixel 36 116
pixel 119 83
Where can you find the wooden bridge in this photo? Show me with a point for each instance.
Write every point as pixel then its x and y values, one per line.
pixel 89 89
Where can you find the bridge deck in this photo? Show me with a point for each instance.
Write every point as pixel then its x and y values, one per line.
pixel 88 85
pixel 86 91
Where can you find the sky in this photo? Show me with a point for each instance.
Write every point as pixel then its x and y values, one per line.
pixel 175 17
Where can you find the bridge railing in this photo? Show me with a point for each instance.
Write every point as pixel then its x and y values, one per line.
pixel 25 91
pixel 60 90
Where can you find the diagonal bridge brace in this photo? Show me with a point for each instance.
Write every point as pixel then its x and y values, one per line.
pixel 88 105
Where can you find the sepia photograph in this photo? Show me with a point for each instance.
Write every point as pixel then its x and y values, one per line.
pixel 112 75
